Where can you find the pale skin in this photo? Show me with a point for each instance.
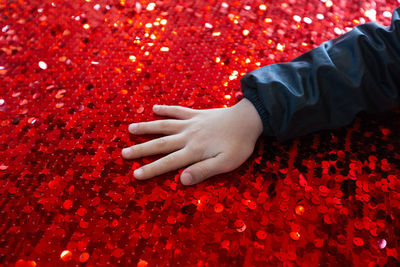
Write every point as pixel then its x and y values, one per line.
pixel 207 142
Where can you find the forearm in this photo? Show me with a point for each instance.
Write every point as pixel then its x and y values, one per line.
pixel 326 87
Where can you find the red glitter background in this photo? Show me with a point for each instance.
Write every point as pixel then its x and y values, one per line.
pixel 75 74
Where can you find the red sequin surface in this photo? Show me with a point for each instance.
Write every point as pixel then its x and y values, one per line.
pixel 75 74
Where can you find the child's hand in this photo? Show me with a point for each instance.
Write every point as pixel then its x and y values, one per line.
pixel 211 141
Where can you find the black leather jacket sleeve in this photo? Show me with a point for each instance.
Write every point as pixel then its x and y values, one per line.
pixel 326 87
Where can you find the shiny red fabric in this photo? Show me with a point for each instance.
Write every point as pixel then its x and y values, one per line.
pixel 75 74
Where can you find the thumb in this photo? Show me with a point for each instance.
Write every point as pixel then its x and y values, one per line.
pixel 202 170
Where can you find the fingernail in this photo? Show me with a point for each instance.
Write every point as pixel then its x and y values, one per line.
pixel 138 173
pixel 133 127
pixel 125 151
pixel 187 178
pixel 156 107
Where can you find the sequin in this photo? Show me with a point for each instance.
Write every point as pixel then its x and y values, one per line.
pixel 76 74
pixel 358 241
pixel 297 18
pixel 381 243
pixel 66 255
pixel 84 257
pixel 261 235
pixel 150 6
pixel 67 204
pixel 225 244
pixel 23 263
pixel 295 235
pixel 299 210
pixel 171 220
pixel 42 65
pixel 142 263
pixel 218 208
pixel 240 225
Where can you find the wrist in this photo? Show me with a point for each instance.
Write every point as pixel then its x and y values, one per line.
pixel 249 114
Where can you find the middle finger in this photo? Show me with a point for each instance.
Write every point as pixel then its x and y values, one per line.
pixel 161 145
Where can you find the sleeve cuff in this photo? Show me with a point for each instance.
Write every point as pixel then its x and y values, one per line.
pixel 251 95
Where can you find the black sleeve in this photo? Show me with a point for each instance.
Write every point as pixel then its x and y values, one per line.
pixel 326 87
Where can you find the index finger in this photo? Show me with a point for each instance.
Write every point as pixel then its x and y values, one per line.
pixel 171 162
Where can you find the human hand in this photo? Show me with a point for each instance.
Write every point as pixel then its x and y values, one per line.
pixel 211 141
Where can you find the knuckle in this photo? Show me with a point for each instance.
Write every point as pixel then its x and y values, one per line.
pixel 167 162
pixel 190 132
pixel 163 124
pixel 161 142
pixel 195 129
pixel 196 150
pixel 170 159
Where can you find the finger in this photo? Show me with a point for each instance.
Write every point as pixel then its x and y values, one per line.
pixel 160 145
pixel 157 127
pixel 203 170
pixel 166 164
pixel 175 111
